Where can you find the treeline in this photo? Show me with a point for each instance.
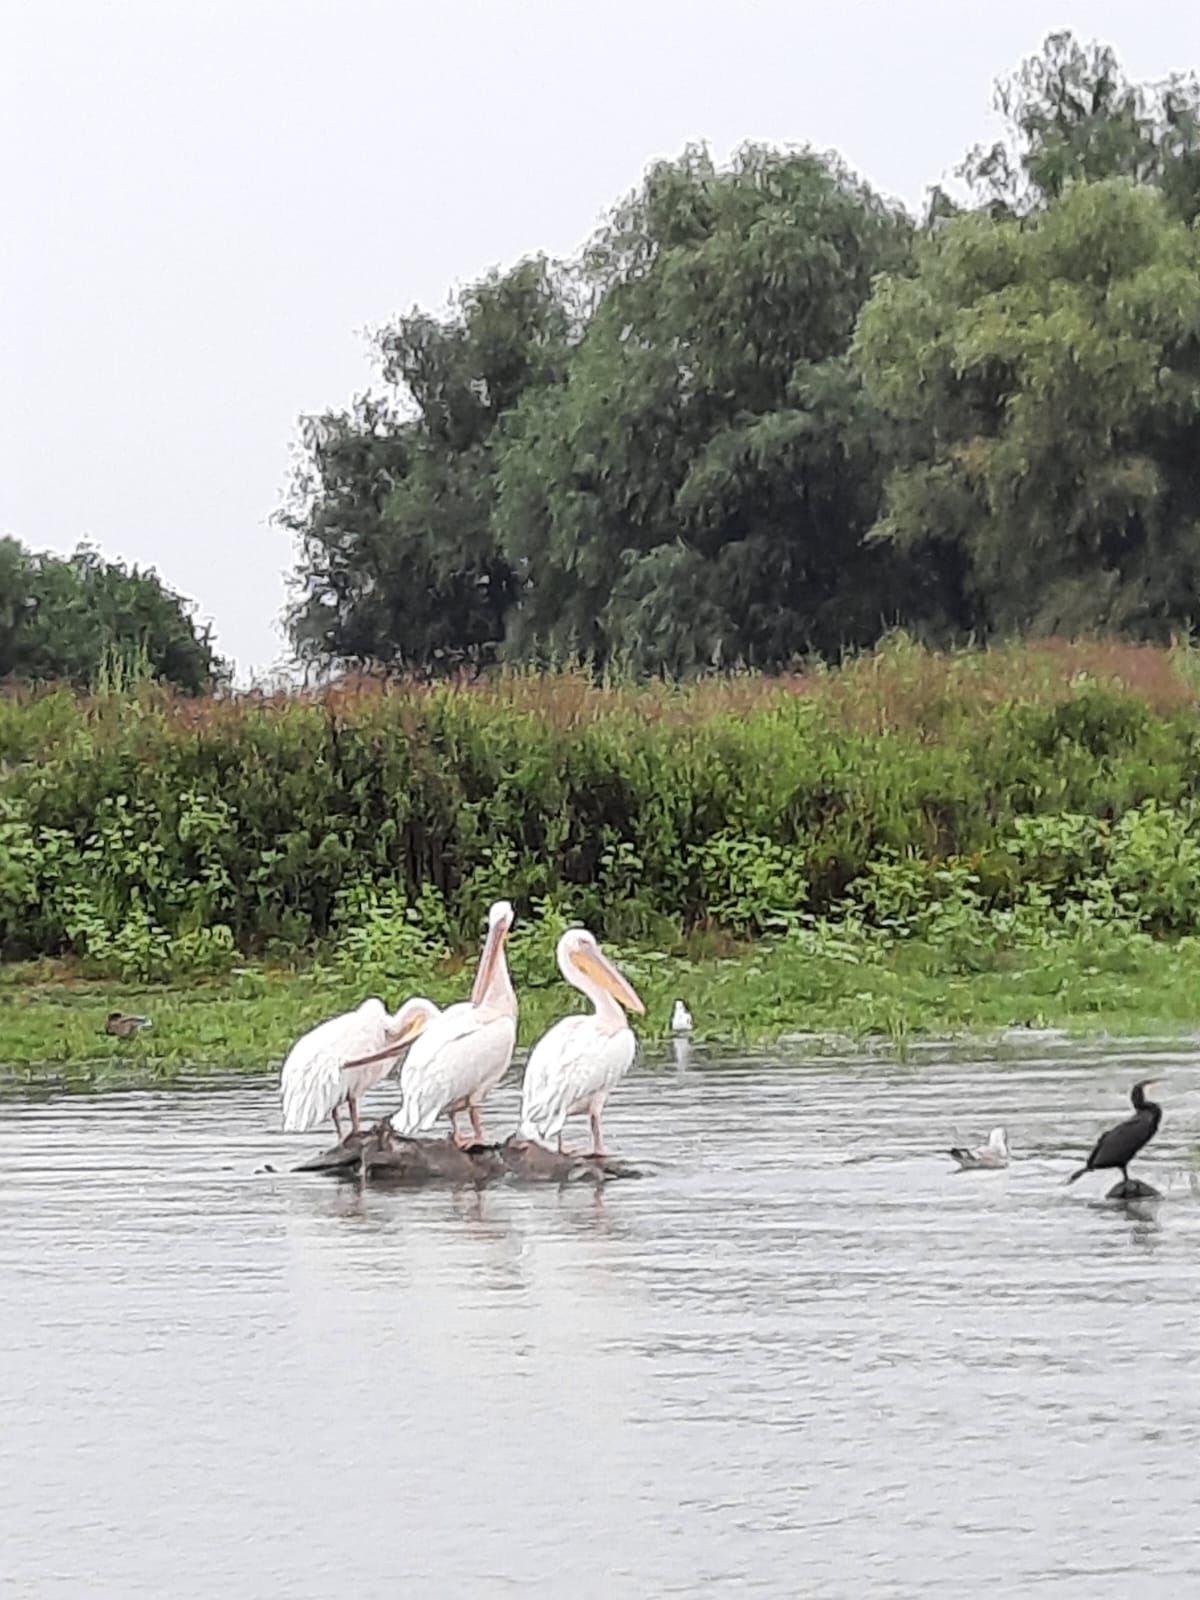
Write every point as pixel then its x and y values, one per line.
pixel 1021 790
pixel 767 413
pixel 96 624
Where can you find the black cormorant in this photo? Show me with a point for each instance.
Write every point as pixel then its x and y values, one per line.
pixel 1119 1145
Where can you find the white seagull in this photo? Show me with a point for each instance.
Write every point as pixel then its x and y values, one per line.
pixel 320 1073
pixel 992 1154
pixel 574 1067
pixel 681 1018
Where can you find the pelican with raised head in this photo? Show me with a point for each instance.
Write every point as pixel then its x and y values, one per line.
pixel 992 1154
pixel 575 1066
pixel 321 1074
pixel 463 1053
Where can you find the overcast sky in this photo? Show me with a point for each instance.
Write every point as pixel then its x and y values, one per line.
pixel 207 203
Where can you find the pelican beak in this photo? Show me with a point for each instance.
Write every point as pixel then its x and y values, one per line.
pixel 405 1037
pixel 408 1031
pixel 598 967
pixel 415 1025
pixel 490 959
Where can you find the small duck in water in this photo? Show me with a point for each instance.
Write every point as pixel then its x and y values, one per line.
pixel 992 1154
pixel 125 1027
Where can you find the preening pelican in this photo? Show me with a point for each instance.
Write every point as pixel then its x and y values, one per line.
pixel 461 1056
pixel 681 1018
pixel 992 1154
pixel 320 1073
pixel 575 1066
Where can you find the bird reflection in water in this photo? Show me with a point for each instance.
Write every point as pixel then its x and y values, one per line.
pixel 1140 1214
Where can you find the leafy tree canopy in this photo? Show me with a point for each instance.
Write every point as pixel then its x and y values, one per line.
pixel 81 619
pixel 697 490
pixel 1043 383
pixel 1073 117
pixel 392 503
pixel 764 413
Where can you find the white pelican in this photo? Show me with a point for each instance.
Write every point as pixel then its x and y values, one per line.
pixel 681 1018
pixel 574 1066
pixel 319 1074
pixel 992 1154
pixel 461 1056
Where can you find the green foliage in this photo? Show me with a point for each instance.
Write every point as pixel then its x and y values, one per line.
pixel 1057 856
pixel 94 624
pixel 533 943
pixel 961 800
pixel 20 859
pixel 751 884
pixel 1072 117
pixel 392 501
pixel 833 983
pixel 695 494
pixel 904 896
pixel 379 936
pixel 140 948
pixel 1154 866
pixel 1041 379
pixel 127 897
pixel 1051 875
pixel 765 417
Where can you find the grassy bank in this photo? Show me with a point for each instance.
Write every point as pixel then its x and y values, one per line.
pixel 51 1020
pixel 910 844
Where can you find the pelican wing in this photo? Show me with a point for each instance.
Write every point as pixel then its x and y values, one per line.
pixel 458 1058
pixel 569 1066
pixel 311 1083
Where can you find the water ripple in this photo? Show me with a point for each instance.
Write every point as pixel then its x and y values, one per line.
pixel 804 1356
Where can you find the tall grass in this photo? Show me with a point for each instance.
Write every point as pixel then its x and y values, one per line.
pixel 645 810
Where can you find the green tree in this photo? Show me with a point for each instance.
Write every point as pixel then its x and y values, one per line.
pixel 696 492
pixel 392 502
pixel 1042 383
pixel 80 617
pixel 1073 117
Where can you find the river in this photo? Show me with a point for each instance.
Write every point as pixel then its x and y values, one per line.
pixel 801 1356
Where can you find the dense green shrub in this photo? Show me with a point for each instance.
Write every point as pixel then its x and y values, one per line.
pixel 907 791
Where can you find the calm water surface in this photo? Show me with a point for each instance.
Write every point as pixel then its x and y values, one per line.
pixel 803 1356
